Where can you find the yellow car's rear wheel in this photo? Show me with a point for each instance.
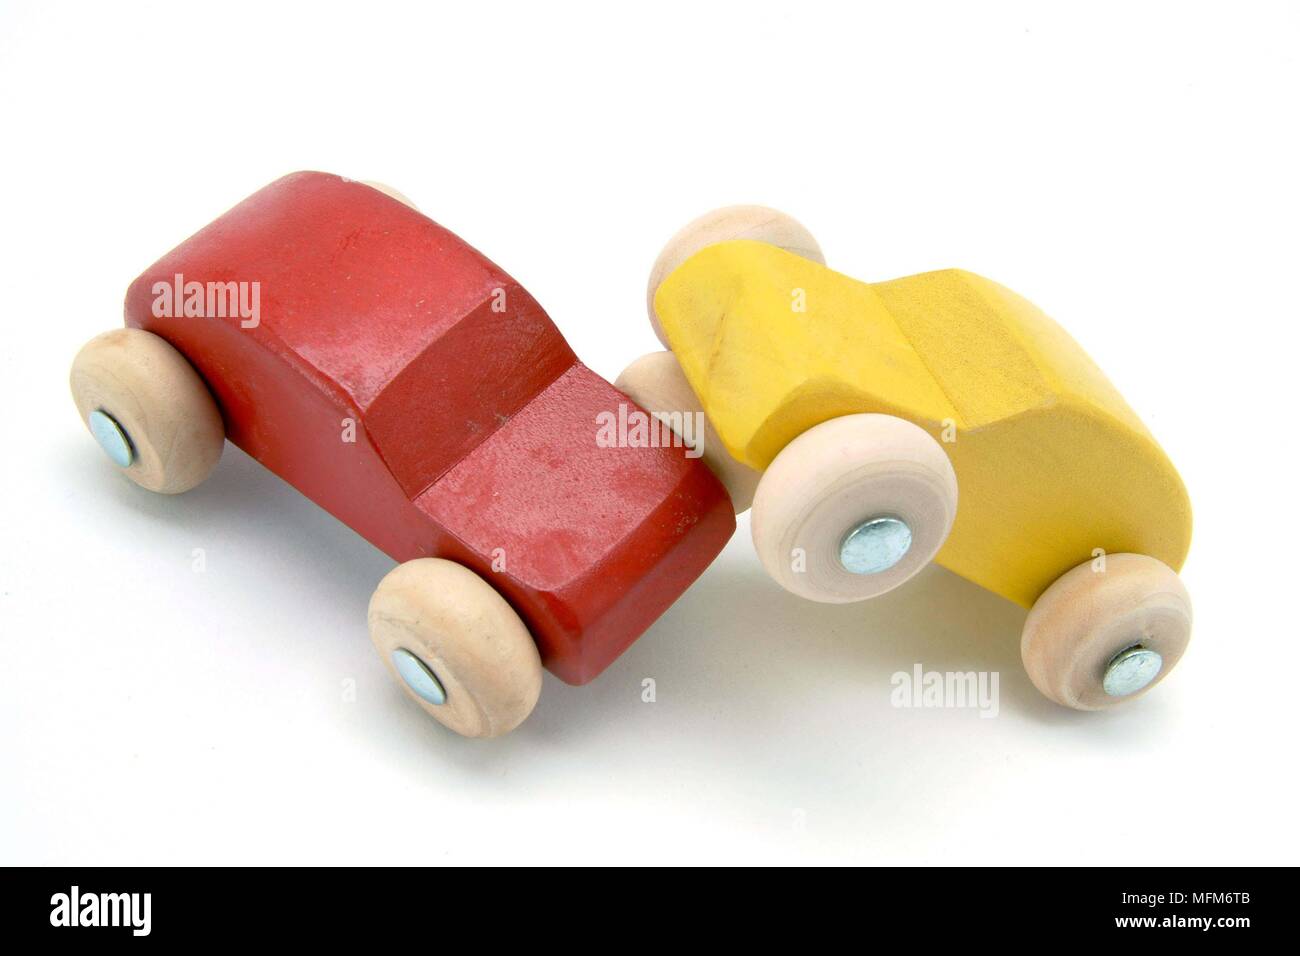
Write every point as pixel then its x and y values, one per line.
pixel 1107 631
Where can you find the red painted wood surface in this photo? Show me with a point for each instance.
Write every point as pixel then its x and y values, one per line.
pixel 475 427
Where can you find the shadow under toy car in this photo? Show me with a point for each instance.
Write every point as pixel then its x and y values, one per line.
pixel 411 388
pixel 850 413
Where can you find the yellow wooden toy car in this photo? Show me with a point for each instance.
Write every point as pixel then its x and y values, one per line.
pixel 851 413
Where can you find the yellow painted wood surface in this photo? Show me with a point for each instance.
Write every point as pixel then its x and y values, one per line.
pixel 1051 463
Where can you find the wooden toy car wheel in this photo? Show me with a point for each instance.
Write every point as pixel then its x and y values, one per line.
pixel 390 192
pixel 1106 631
pixel 758 223
pixel 853 507
pixel 458 649
pixel 148 409
pixel 657 383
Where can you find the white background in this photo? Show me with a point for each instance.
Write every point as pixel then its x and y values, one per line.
pixel 1132 168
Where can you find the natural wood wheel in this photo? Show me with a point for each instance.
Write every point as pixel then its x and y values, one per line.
pixel 722 225
pixel 150 411
pixel 390 192
pixel 1107 631
pixel 657 383
pixel 853 507
pixel 444 632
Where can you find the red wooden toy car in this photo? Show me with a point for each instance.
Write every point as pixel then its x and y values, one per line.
pixel 410 387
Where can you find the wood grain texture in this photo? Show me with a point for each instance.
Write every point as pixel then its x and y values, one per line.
pixel 657 384
pixel 590 543
pixel 413 389
pixel 834 476
pixel 163 405
pixel 466 633
pixel 1051 462
pixel 756 223
pixel 1089 615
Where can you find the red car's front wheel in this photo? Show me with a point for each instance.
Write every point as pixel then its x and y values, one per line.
pixel 148 409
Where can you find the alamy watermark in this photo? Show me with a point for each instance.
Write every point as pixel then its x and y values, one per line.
pixel 630 427
pixel 208 300
pixel 76 908
pixel 956 690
